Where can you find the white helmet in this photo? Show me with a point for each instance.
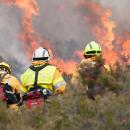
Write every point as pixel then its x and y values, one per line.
pixel 41 54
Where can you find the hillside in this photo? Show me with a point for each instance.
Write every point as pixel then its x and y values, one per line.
pixel 75 111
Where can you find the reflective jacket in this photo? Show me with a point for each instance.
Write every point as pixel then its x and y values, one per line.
pixel 13 82
pixel 49 77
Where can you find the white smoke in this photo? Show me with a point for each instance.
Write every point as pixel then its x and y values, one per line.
pixel 120 12
pixel 60 21
pixel 10 45
pixel 10 28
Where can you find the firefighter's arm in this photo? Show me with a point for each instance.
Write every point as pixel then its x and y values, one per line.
pixel 15 84
pixel 59 83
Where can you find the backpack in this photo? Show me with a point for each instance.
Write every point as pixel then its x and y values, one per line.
pixel 7 94
pixel 11 97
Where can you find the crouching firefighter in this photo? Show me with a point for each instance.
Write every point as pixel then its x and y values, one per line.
pixel 9 87
pixel 42 76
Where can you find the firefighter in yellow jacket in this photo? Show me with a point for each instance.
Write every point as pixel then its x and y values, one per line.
pixel 10 86
pixel 42 74
pixel 90 67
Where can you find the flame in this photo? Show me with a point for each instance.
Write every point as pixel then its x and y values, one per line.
pixel 115 48
pixel 106 36
pixel 69 67
pixel 79 54
pixel 125 52
pixel 28 36
pixel 31 39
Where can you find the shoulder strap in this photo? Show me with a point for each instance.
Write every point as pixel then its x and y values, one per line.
pixel 36 70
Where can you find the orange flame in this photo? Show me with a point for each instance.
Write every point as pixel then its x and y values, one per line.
pixel 125 50
pixel 29 9
pixel 79 54
pixel 69 67
pixel 31 38
pixel 106 36
pixel 115 48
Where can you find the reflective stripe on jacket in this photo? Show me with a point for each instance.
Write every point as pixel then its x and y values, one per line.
pixel 49 78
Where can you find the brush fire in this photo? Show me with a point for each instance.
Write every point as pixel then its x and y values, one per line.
pixel 83 91
pixel 94 17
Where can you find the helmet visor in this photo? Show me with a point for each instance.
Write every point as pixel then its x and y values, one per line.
pixel 41 58
pixel 92 52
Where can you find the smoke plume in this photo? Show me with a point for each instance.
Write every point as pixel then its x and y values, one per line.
pixel 61 22
pixel 120 13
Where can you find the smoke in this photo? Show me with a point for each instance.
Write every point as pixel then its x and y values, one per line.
pixel 120 13
pixel 59 21
pixel 63 24
pixel 10 45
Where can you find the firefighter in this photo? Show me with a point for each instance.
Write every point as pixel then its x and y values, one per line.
pixel 41 74
pixel 10 86
pixel 90 67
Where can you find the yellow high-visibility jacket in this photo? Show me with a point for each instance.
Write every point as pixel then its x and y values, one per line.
pixel 13 82
pixel 16 87
pixel 49 77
